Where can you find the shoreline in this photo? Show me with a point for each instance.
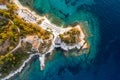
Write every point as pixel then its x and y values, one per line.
pixel 20 68
pixel 56 31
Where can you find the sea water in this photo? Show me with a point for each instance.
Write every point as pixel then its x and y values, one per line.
pixel 102 63
pixel 71 11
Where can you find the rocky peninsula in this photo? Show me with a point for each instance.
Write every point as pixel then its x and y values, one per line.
pixel 30 35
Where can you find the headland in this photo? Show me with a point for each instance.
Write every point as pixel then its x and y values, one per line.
pixel 30 34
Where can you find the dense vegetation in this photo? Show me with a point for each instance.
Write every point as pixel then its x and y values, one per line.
pixel 70 36
pixel 8 37
pixel 10 22
pixel 3 22
pixel 30 29
pixel 11 61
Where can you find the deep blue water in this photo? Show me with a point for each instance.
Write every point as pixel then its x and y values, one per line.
pixel 106 63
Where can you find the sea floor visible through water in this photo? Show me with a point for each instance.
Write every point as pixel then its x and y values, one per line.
pixel 100 19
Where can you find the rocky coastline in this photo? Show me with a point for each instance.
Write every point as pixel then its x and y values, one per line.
pixel 56 40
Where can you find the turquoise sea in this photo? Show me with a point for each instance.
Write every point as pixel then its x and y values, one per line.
pixel 100 18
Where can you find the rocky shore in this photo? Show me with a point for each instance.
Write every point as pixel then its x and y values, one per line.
pixel 32 17
pixel 20 69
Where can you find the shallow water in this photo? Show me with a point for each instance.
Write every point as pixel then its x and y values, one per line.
pixel 102 17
